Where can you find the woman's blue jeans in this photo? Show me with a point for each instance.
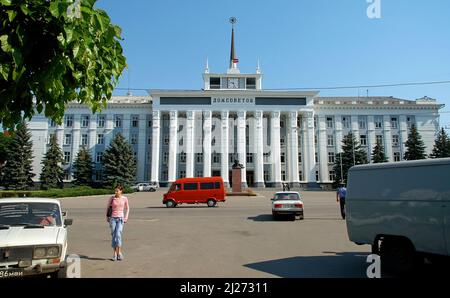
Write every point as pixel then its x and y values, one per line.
pixel 116 225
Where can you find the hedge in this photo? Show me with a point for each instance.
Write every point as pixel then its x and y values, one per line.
pixel 60 193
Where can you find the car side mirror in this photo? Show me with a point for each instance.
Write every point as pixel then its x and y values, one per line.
pixel 272 199
pixel 68 222
pixel 64 213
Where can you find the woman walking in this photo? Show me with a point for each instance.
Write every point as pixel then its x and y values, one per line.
pixel 117 215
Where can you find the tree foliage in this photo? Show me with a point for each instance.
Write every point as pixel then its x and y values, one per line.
pixel 54 52
pixel 415 147
pixel 441 145
pixel 378 155
pixel 352 154
pixel 18 171
pixel 5 139
pixel 52 173
pixel 119 164
pixel 83 167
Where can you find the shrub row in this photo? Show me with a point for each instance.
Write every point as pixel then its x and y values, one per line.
pixel 60 193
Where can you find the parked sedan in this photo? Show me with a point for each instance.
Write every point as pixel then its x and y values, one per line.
pixel 145 187
pixel 287 203
pixel 33 237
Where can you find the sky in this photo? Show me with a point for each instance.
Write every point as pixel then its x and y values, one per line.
pixel 300 44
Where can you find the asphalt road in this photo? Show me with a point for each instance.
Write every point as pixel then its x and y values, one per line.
pixel 236 239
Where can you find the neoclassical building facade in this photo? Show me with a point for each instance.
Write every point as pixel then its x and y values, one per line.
pixel 279 136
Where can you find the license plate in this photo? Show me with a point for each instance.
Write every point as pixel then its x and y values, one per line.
pixel 288 206
pixel 8 273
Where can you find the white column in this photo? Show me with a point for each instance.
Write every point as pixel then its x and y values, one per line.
pixel 75 137
pixel 190 138
pixel 156 143
pixel 323 156
pixel 293 149
pixel 339 133
pixel 207 115
pixel 224 147
pixel 173 144
pixel 259 150
pixel 403 135
pixel 371 136
pixel 275 148
pixel 310 149
pixel 241 145
pixel 141 158
pixel 60 136
pixel 355 128
pixel 126 123
pixel 387 144
pixel 92 135
pixel 109 129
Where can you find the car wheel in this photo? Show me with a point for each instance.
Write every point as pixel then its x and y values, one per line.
pixel 170 204
pixel 275 216
pixel 152 189
pixel 57 274
pixel 397 257
pixel 211 203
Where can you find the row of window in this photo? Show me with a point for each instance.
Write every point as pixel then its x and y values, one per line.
pixel 100 139
pixel 362 122
pixel 362 140
pixel 98 156
pixel 101 121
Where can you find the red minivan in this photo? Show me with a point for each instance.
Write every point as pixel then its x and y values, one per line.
pixel 209 190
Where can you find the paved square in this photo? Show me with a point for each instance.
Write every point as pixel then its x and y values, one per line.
pixel 236 239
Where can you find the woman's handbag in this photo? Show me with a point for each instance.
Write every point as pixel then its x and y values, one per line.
pixel 109 212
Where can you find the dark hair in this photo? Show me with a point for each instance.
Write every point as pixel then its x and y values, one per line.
pixel 119 186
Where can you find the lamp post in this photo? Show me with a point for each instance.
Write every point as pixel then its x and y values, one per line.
pixel 353 147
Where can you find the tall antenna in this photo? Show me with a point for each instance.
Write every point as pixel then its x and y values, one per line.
pixel 128 75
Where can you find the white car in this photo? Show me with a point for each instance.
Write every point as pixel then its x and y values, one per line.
pixel 33 237
pixel 287 203
pixel 145 187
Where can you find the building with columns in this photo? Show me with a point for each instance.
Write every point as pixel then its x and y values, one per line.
pixel 279 136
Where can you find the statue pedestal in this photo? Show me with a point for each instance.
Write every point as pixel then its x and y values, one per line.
pixel 237 180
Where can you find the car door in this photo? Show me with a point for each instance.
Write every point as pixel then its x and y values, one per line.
pixel 190 192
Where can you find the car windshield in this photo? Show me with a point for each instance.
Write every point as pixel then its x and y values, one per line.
pixel 25 214
pixel 286 196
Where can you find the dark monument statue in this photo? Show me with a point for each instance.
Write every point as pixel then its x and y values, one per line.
pixel 237 176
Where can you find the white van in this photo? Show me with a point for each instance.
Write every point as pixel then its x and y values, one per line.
pixel 402 209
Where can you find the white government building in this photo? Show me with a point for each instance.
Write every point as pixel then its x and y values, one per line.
pixel 279 136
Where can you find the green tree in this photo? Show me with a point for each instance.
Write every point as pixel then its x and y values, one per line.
pixel 378 155
pixel 18 171
pixel 83 167
pixel 55 52
pixel 415 147
pixel 441 145
pixel 5 139
pixel 52 173
pixel 119 164
pixel 352 154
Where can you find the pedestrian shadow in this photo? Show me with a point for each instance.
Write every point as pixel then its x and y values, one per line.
pixel 182 207
pixel 335 265
pixel 92 259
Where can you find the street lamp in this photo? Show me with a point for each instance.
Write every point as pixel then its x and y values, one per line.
pixel 353 148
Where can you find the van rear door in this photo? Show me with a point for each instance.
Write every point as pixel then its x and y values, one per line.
pixel 446 209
